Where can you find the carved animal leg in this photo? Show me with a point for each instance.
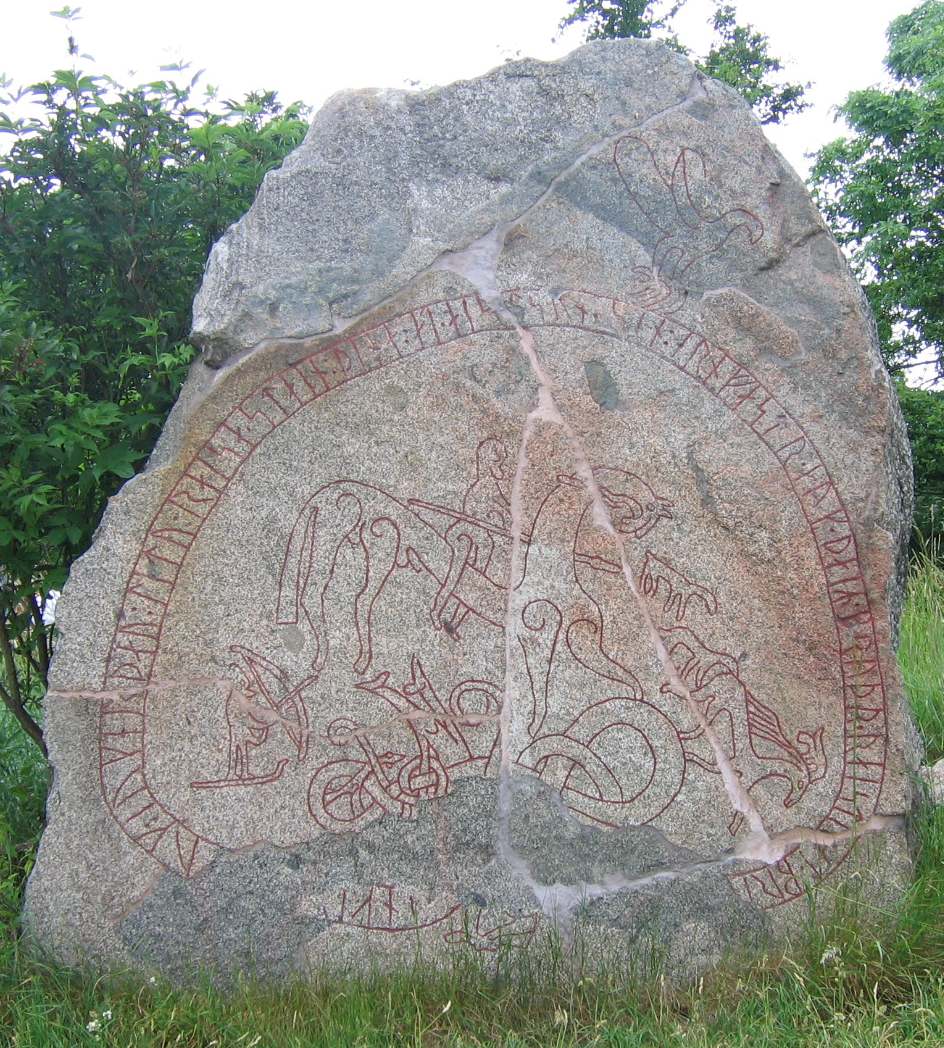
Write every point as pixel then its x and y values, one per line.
pixel 542 621
pixel 453 615
pixel 737 821
pixel 239 760
pixel 380 542
pixel 462 552
pixel 324 544
pixel 235 758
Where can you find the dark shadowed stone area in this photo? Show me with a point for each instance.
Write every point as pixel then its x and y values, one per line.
pixel 521 562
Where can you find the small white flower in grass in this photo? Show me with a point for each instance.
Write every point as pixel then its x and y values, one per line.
pixel 831 955
pixel 93 1026
pixel 152 981
pixel 106 1015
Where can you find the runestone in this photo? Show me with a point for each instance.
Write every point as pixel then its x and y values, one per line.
pixel 522 558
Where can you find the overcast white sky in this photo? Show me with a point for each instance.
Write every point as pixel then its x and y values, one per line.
pixel 310 50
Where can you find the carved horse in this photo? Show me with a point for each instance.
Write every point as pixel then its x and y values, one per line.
pixel 391 536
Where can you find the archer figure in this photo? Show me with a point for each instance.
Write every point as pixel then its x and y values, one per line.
pixel 252 712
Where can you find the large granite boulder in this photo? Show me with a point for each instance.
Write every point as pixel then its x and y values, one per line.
pixel 522 556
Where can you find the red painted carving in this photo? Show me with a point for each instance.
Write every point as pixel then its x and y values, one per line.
pixel 488 934
pixel 390 910
pixel 463 551
pixel 541 620
pixel 755 405
pixel 436 740
pixel 455 548
pixel 734 713
pixel 659 579
pixel 572 756
pixel 592 786
pixel 264 703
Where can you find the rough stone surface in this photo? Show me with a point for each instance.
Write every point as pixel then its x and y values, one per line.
pixel 933 777
pixel 522 557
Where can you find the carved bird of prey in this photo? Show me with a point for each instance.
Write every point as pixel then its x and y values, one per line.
pixel 687 227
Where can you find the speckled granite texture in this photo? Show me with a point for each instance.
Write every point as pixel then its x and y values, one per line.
pixel 521 558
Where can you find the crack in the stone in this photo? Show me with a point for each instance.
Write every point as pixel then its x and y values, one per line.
pixel 547 410
pixel 737 794
pixel 339 325
pixel 559 901
pixel 478 263
pixel 773 847
pixel 788 248
pixel 505 845
pixel 157 684
pixel 479 268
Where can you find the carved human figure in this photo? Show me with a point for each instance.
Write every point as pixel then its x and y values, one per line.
pixel 578 749
pixel 472 537
pixel 487 498
pixel 261 704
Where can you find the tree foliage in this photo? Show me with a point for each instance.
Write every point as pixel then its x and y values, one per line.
pixel 882 191
pixel 110 199
pixel 618 19
pixel 739 55
pixel 924 412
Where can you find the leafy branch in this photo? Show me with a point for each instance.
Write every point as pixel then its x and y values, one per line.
pixel 110 200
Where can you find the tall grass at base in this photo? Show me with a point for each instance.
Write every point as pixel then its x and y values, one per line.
pixel 921 647
pixel 23 784
pixel 844 986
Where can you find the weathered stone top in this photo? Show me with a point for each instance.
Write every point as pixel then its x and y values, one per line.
pixel 385 181
pixel 523 553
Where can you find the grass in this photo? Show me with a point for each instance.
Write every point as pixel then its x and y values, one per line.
pixel 921 649
pixel 842 986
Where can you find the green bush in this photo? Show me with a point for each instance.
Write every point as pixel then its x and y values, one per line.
pixel 924 413
pixel 110 200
